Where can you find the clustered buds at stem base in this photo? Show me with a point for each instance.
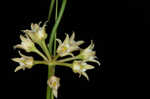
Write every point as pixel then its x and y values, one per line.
pixel 38 35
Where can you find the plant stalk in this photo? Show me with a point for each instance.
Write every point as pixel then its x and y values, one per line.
pixel 64 64
pixel 40 62
pixel 50 9
pixel 51 39
pixel 68 59
pixel 56 15
pixel 41 54
pixel 51 72
pixel 45 49
pixel 51 69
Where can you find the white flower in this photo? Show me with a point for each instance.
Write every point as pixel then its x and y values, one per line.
pixel 54 83
pixel 37 33
pixel 88 54
pixel 24 61
pixel 81 68
pixel 26 44
pixel 68 46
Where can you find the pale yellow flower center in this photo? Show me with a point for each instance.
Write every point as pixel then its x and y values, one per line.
pixel 54 84
pixel 64 49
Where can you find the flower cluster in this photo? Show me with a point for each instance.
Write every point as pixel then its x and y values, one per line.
pixel 80 61
pixel 38 35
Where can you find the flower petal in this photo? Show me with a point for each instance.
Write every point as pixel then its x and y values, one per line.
pixel 19 68
pixel 59 41
pixel 85 75
pixel 16 60
pixel 88 67
pixel 66 41
pixel 72 37
pixel 95 62
pixel 55 93
pixel 18 46
pixel 91 46
pixel 79 42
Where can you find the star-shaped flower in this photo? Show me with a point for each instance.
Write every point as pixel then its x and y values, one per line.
pixel 88 55
pixel 26 44
pixel 24 61
pixel 81 68
pixel 37 33
pixel 54 83
pixel 68 46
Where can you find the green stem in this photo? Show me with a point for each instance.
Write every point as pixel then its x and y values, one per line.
pixel 51 71
pixel 40 62
pixel 56 12
pixel 41 54
pixel 56 57
pixel 50 9
pixel 51 39
pixel 52 96
pixel 68 59
pixel 54 44
pixel 44 47
pixel 64 64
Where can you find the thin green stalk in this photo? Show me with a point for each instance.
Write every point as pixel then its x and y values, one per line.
pixel 40 62
pixel 41 54
pixel 68 59
pixel 63 64
pixel 45 49
pixel 50 9
pixel 56 13
pixel 51 39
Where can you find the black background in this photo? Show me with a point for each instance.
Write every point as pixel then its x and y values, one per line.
pixel 123 25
